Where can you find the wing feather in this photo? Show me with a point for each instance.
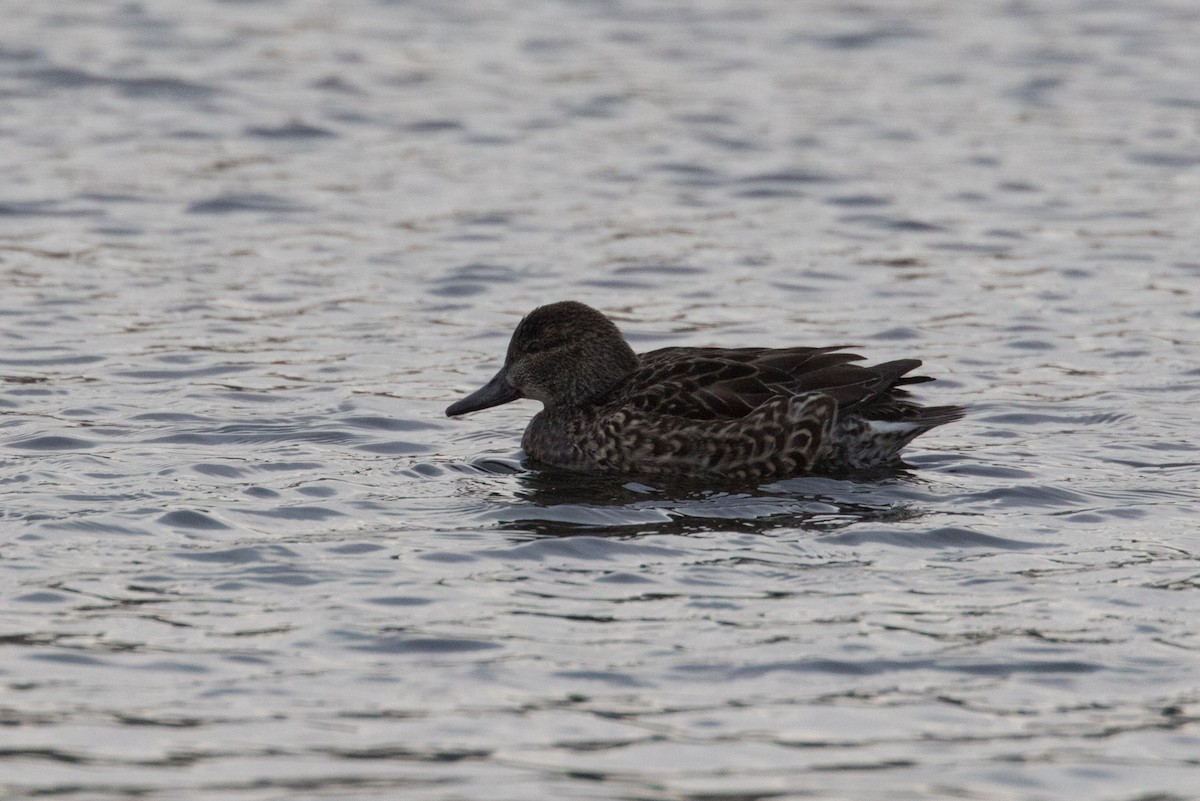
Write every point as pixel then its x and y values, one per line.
pixel 730 383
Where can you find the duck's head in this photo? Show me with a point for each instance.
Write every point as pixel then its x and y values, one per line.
pixel 563 354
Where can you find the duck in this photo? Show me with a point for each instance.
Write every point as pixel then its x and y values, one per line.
pixel 735 413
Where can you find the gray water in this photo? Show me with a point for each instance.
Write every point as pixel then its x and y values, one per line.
pixel 249 251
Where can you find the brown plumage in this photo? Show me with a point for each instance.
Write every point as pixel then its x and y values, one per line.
pixel 734 412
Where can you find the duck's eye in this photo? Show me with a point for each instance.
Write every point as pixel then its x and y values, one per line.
pixel 534 347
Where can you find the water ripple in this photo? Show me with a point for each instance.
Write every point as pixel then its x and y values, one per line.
pixel 251 250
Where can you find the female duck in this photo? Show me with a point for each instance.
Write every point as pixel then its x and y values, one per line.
pixel 733 412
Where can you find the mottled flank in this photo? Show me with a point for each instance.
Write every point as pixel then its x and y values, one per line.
pixel 733 412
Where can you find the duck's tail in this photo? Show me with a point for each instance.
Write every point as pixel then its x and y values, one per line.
pixel 876 440
pixel 924 418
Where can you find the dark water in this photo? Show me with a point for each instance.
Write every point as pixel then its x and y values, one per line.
pixel 249 251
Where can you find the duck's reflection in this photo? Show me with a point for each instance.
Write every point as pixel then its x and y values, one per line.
pixel 556 503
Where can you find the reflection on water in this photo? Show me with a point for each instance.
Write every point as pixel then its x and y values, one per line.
pixel 549 503
pixel 250 251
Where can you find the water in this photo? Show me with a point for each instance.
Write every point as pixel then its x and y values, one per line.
pixel 249 252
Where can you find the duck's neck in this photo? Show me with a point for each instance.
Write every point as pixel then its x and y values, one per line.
pixel 600 375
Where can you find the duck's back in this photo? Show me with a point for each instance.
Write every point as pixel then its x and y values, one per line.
pixel 730 383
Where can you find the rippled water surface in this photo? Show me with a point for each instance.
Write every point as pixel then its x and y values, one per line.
pixel 249 251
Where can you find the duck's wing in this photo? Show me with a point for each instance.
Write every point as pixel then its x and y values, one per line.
pixel 730 383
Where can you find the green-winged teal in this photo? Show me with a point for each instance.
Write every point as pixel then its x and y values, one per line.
pixel 734 412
